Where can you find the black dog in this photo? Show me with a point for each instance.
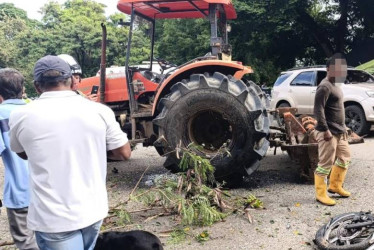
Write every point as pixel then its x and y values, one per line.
pixel 132 240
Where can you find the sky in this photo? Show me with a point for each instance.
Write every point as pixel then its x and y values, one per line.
pixel 33 6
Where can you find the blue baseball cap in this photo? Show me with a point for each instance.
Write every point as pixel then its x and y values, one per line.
pixel 47 63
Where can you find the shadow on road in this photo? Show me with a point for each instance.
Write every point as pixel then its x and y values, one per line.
pixel 370 135
pixel 274 169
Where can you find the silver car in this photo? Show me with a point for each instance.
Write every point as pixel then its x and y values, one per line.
pixel 297 88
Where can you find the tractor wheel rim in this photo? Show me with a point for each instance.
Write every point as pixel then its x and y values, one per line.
pixel 210 130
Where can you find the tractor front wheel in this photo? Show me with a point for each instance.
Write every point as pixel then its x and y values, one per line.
pixel 215 112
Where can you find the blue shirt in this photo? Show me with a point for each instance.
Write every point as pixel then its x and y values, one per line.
pixel 16 183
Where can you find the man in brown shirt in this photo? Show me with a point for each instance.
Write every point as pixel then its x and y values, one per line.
pixel 333 150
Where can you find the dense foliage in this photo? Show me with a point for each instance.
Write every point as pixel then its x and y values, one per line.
pixel 269 35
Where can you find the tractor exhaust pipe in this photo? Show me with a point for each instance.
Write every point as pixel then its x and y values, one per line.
pixel 103 64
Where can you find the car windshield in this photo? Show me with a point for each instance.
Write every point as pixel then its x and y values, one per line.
pixel 358 76
pixel 282 78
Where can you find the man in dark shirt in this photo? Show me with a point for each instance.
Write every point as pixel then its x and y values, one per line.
pixel 331 134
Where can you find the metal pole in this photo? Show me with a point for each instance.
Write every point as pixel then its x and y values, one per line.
pixel 103 64
pixel 214 41
pixel 153 41
pixel 130 89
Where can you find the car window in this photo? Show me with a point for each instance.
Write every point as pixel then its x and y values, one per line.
pixel 304 79
pixel 358 76
pixel 320 76
pixel 282 78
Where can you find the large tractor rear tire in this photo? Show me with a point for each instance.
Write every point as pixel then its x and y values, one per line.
pixel 212 110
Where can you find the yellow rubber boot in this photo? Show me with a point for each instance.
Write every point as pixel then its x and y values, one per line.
pixel 321 191
pixel 337 177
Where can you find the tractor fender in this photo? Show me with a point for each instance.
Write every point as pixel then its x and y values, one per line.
pixel 225 67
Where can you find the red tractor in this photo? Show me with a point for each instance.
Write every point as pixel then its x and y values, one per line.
pixel 203 101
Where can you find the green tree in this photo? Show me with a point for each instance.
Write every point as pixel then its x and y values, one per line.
pixel 13 21
pixel 181 40
pixel 341 26
pixel 8 10
pixel 274 35
pixel 117 37
pixel 9 31
pixel 266 36
pixel 75 28
pixel 51 12
pixel 14 24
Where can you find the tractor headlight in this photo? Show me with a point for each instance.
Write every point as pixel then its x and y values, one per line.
pixel 370 93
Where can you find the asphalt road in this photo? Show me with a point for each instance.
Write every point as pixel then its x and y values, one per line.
pixel 290 220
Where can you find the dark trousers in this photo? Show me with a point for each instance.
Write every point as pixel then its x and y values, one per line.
pixel 22 236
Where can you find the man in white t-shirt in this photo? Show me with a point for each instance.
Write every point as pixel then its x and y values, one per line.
pixel 65 138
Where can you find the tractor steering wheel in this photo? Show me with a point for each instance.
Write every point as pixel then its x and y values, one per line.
pixel 164 64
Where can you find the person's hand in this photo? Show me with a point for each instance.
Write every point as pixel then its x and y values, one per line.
pixel 92 97
pixel 327 136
